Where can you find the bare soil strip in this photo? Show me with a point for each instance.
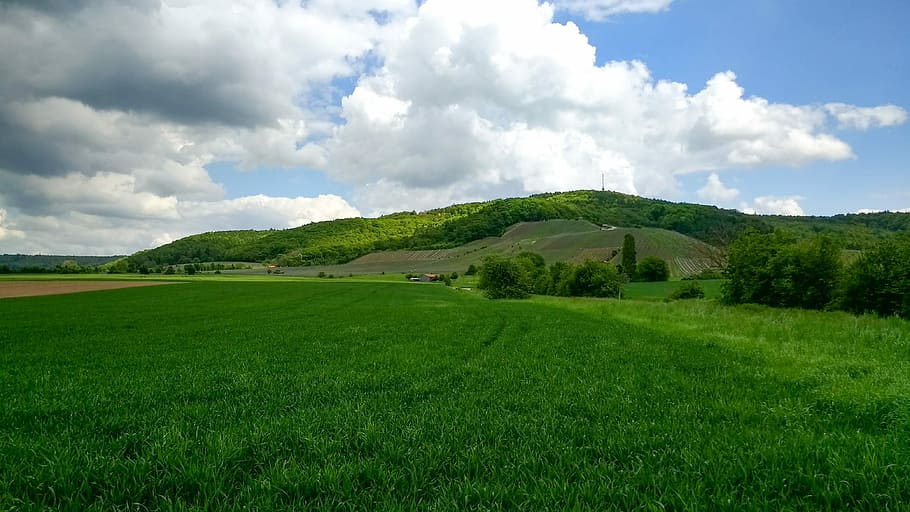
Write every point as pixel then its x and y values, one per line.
pixel 9 289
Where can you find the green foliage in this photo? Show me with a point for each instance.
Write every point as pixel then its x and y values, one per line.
pixel 343 240
pixel 472 270
pixel 879 281
pixel 652 268
pixel 777 270
pixel 629 256
pixel 594 279
pixel 688 290
pixel 502 278
pixel 189 269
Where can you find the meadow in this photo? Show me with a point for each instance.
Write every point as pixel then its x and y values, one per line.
pixel 338 394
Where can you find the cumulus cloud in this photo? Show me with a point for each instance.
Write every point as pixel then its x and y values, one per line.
pixel 6 231
pixel 770 205
pixel 474 97
pixel 716 192
pixel 863 118
pixel 100 231
pixel 111 111
pixel 598 10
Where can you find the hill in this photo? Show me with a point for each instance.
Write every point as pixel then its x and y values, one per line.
pixel 344 240
pixel 555 240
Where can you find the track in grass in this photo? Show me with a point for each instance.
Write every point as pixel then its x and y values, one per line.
pixel 379 395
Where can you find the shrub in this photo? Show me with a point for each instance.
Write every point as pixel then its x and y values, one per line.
pixel 776 270
pixel 652 268
pixel 594 279
pixel 688 290
pixel 471 270
pixel 879 281
pixel 501 278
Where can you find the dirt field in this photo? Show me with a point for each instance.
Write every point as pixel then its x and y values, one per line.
pixel 10 289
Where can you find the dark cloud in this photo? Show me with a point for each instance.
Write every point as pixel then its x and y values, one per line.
pixel 23 151
pixel 119 78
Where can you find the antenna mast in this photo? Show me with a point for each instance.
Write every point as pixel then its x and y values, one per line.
pixel 602 182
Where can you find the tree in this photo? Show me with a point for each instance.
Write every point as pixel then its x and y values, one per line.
pixel 776 270
pixel 471 270
pixel 652 268
pixel 501 278
pixel 628 255
pixel 879 281
pixel 594 279
pixel 189 269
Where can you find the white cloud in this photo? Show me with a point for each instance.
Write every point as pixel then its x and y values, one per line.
pixel 770 205
pixel 863 118
pixel 715 191
pixel 6 231
pixel 475 99
pixel 111 111
pixel 598 10
pixel 78 232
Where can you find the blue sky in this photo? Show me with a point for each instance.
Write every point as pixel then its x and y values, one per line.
pixel 124 125
pixel 805 52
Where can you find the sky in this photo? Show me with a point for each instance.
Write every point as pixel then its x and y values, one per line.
pixel 127 124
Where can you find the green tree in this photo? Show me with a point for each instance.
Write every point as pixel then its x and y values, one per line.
pixel 777 270
pixel 879 281
pixel 652 268
pixel 628 255
pixel 189 269
pixel 472 269
pixel 595 279
pixel 501 278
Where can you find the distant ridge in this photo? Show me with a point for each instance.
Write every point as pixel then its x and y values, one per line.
pixel 17 262
pixel 343 240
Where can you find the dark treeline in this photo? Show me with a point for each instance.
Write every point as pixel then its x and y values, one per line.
pixel 781 270
pixel 33 264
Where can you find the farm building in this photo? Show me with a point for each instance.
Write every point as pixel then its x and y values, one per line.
pixel 428 278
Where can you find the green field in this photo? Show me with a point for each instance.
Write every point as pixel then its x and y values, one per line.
pixel 336 394
pixel 662 290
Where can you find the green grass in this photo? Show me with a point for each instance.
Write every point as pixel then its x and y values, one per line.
pixel 662 289
pixel 370 395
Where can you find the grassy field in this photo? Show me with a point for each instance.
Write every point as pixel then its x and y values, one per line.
pixel 663 289
pixel 350 395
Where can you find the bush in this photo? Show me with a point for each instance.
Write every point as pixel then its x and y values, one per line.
pixel 688 290
pixel 652 268
pixel 879 281
pixel 776 270
pixel 471 270
pixel 594 279
pixel 501 278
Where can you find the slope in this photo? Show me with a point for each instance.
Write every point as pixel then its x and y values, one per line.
pixel 344 240
pixel 555 240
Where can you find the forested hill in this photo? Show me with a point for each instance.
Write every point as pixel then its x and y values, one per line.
pixel 343 240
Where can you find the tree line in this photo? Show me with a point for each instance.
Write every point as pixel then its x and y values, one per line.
pixel 527 274
pixel 781 270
